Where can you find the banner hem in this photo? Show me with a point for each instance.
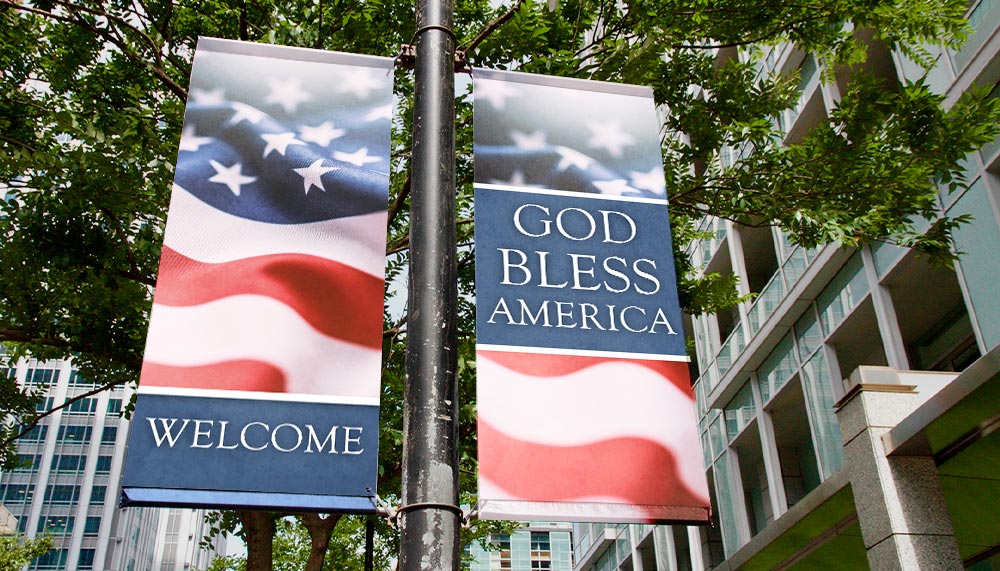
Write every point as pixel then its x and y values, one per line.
pixel 163 497
pixel 524 510
pixel 581 353
pixel 643 91
pixel 569 193
pixel 275 51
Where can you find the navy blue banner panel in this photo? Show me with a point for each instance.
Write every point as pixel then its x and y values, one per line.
pixel 584 402
pixel 260 382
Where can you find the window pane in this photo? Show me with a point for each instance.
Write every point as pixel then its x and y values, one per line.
pixel 818 387
pixel 776 369
pixel 843 294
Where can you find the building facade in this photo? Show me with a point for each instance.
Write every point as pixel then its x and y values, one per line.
pixel 538 546
pixel 69 482
pixel 847 412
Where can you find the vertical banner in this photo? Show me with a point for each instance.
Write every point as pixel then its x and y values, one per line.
pixel 585 406
pixel 260 384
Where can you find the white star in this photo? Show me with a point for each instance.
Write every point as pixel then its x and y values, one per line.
pixel 312 175
pixel 496 92
pixel 609 136
pixel 244 111
pixel 383 112
pixel 617 187
pixel 321 134
pixel 532 142
pixel 205 97
pixel 651 180
pixel 358 158
pixel 359 82
pixel 190 141
pixel 279 142
pixel 230 176
pixel 516 179
pixel 288 94
pixel 571 158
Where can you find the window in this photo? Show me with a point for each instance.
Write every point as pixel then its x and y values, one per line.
pixel 56 524
pixel 74 434
pixel 39 377
pixel 86 560
pixel 843 294
pixel 502 540
pixel 37 433
pixel 114 406
pixel 82 406
pixel 109 435
pixel 43 404
pixel 51 560
pixel 18 493
pixel 541 552
pixel 68 463
pixel 103 464
pixel 76 380
pixel 27 462
pixel 97 496
pixel 62 494
pixel 92 526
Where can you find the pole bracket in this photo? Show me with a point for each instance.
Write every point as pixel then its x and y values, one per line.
pixel 408 54
pixel 420 505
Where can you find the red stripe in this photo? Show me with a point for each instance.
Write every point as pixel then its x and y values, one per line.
pixel 543 365
pixel 336 299
pixel 242 375
pixel 637 470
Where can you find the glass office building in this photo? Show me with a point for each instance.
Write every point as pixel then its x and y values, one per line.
pixel 537 546
pixel 779 378
pixel 68 484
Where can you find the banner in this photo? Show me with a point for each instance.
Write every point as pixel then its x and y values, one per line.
pixel 586 411
pixel 260 384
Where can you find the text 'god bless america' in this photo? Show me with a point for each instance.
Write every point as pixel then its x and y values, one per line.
pixel 586 268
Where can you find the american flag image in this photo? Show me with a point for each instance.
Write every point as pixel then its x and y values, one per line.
pixel 271 276
pixel 587 438
pixel 566 137
pixel 578 419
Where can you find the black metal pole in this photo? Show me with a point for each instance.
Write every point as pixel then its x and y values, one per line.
pixel 369 544
pixel 429 517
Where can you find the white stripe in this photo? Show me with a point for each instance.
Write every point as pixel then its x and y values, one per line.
pixel 582 353
pixel 489 490
pixel 570 193
pixel 602 402
pixel 262 329
pixel 255 395
pixel 206 234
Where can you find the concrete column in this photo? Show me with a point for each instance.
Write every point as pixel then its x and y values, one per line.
pixel 901 507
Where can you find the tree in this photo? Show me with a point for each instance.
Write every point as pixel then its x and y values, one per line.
pixel 16 551
pixel 295 546
pixel 93 92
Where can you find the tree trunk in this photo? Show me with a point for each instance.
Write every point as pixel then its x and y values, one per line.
pixel 259 534
pixel 320 529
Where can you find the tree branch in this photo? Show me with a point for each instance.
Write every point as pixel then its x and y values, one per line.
pixel 397 204
pixel 493 26
pixel 106 35
pixel 26 428
pixel 135 273
pixel 320 529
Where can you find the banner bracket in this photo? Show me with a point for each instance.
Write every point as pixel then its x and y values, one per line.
pixel 421 505
pixel 408 54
